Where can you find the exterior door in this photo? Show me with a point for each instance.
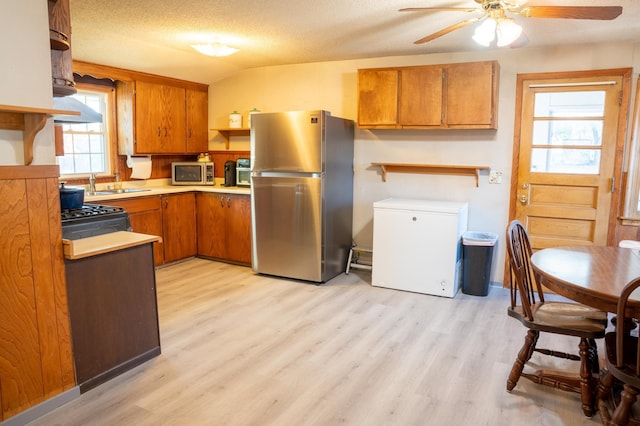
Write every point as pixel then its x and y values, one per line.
pixel 568 167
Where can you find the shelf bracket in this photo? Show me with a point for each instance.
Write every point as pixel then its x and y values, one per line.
pixel 30 121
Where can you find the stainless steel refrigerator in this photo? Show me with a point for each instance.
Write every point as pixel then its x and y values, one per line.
pixel 301 194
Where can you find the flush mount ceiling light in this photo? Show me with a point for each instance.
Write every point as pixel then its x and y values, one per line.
pixel 214 49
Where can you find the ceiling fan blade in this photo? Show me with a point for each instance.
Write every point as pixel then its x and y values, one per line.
pixel 446 30
pixel 438 9
pixel 604 13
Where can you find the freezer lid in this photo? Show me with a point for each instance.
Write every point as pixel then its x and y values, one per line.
pixel 439 206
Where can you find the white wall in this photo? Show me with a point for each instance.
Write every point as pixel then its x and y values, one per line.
pixel 333 86
pixel 25 75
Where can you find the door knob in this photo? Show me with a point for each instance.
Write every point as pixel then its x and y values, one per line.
pixel 524 199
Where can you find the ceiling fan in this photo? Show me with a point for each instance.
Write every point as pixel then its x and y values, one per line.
pixel 494 13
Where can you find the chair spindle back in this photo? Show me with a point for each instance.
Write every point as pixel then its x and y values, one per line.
pixel 623 301
pixel 523 279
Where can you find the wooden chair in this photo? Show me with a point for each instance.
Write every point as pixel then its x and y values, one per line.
pixel 565 318
pixel 623 364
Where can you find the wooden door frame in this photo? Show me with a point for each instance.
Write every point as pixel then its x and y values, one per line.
pixel 616 197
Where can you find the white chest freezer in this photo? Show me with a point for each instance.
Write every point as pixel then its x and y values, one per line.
pixel 417 245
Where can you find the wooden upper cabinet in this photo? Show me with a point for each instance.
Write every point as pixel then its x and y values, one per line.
pixel 160 118
pixel 421 96
pixel 197 120
pixel 462 96
pixel 472 94
pixel 377 97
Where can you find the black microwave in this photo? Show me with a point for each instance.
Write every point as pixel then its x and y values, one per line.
pixel 192 173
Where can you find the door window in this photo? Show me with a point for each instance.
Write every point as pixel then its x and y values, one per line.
pixel 567 132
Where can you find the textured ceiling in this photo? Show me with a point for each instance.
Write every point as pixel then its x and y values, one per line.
pixel 155 35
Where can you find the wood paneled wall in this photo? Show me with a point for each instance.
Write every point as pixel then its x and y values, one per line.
pixel 35 343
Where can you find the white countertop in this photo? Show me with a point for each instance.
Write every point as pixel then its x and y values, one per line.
pixel 160 187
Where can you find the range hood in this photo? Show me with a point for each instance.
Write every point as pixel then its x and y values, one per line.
pixel 87 115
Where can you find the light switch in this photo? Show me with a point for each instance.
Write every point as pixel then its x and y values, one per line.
pixel 495 176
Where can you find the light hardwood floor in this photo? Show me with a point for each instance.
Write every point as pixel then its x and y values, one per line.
pixel 244 349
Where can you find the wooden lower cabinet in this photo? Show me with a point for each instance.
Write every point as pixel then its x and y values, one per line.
pixel 224 226
pixel 173 217
pixel 114 313
pixel 36 361
pixel 145 215
pixel 179 226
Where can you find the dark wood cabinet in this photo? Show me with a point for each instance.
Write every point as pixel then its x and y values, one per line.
pixel 113 312
pixel 224 226
pixel 60 41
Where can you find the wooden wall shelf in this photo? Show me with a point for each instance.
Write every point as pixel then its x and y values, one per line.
pixel 439 169
pixel 228 132
pixel 30 121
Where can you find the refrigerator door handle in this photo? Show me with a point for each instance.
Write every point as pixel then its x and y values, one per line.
pixel 286 174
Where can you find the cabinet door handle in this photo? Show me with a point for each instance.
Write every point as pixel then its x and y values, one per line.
pixel 221 201
pixel 165 131
pixel 229 202
pixel 158 131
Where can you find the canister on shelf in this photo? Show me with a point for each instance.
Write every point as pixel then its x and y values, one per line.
pixel 235 120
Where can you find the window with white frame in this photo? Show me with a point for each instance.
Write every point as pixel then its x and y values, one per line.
pixel 86 145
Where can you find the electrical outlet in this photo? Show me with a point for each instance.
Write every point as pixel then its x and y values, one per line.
pixel 495 176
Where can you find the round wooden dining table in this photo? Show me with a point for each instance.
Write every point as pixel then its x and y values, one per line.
pixel 591 275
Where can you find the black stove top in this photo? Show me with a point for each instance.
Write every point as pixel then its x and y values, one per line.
pixel 93 219
pixel 89 211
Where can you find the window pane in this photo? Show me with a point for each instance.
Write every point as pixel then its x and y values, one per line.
pixel 81 144
pixel 575 161
pixel 567 132
pixel 570 104
pixel 66 164
pixel 97 163
pixel 82 163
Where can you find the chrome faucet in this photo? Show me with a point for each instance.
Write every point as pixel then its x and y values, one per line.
pixel 92 182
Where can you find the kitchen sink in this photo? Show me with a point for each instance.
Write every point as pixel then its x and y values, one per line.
pixel 115 191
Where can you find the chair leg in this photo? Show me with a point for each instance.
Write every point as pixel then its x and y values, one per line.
pixel 586 378
pixel 523 356
pixel 623 410
pixel 603 393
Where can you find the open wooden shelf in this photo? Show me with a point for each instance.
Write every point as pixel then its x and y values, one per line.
pixel 228 132
pixel 439 169
pixel 30 121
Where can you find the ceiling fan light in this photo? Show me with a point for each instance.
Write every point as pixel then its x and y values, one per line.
pixel 508 32
pixel 485 33
pixel 214 49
